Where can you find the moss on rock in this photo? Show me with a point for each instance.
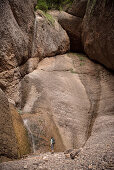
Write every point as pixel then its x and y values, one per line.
pixel 20 133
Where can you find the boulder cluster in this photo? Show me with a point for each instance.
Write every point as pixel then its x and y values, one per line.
pixel 90 26
pixel 59 91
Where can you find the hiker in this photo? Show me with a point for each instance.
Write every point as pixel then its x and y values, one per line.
pixel 52 142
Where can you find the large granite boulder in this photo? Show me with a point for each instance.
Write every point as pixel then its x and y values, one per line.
pixel 17 22
pixel 66 88
pixel 78 8
pixel 98 150
pixel 24 41
pixel 13 136
pixel 72 25
pixel 71 21
pixel 50 39
pixel 16 35
pixel 8 146
pixel 75 96
pixel 71 98
pixel 54 91
pixel 97 34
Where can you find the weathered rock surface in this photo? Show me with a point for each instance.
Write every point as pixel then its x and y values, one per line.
pixel 16 31
pixel 20 132
pixel 73 97
pixel 75 152
pixel 67 96
pixel 7 137
pixel 68 88
pixel 13 137
pixel 10 79
pixel 50 38
pixel 16 35
pixel 98 150
pixel 42 127
pixel 78 8
pixel 98 34
pixel 75 93
pixel 72 25
pixel 54 90
pixel 24 38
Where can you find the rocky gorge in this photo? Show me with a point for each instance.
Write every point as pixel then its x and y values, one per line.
pixel 56 79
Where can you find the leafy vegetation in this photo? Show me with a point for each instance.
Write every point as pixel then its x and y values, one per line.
pixel 45 5
pixel 42 5
pixel 49 17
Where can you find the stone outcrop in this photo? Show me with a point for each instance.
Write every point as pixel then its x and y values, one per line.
pixel 74 153
pixel 97 34
pixel 10 79
pixel 16 35
pixel 71 21
pixel 72 25
pixel 73 96
pixel 13 137
pixel 7 136
pixel 20 132
pixel 16 31
pixel 42 127
pixel 24 41
pixel 98 150
pixel 50 38
pixel 78 8
pixel 67 96
pixel 68 88
pixel 53 89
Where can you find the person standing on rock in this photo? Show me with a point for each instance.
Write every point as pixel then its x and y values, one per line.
pixel 52 143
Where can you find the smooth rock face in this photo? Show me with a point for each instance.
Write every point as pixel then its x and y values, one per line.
pixel 73 97
pixel 13 137
pixel 68 88
pixel 72 25
pixel 54 90
pixel 42 127
pixel 78 8
pixel 97 34
pixel 98 150
pixel 50 39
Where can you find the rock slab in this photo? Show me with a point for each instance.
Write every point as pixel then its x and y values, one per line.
pixel 50 39
pixel 13 136
pixel 72 25
pixel 78 8
pixel 98 32
pixel 16 32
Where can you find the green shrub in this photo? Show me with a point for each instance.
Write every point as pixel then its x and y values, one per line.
pixel 42 5
pixel 48 17
pixel 45 5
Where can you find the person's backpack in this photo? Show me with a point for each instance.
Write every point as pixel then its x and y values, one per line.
pixel 53 140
